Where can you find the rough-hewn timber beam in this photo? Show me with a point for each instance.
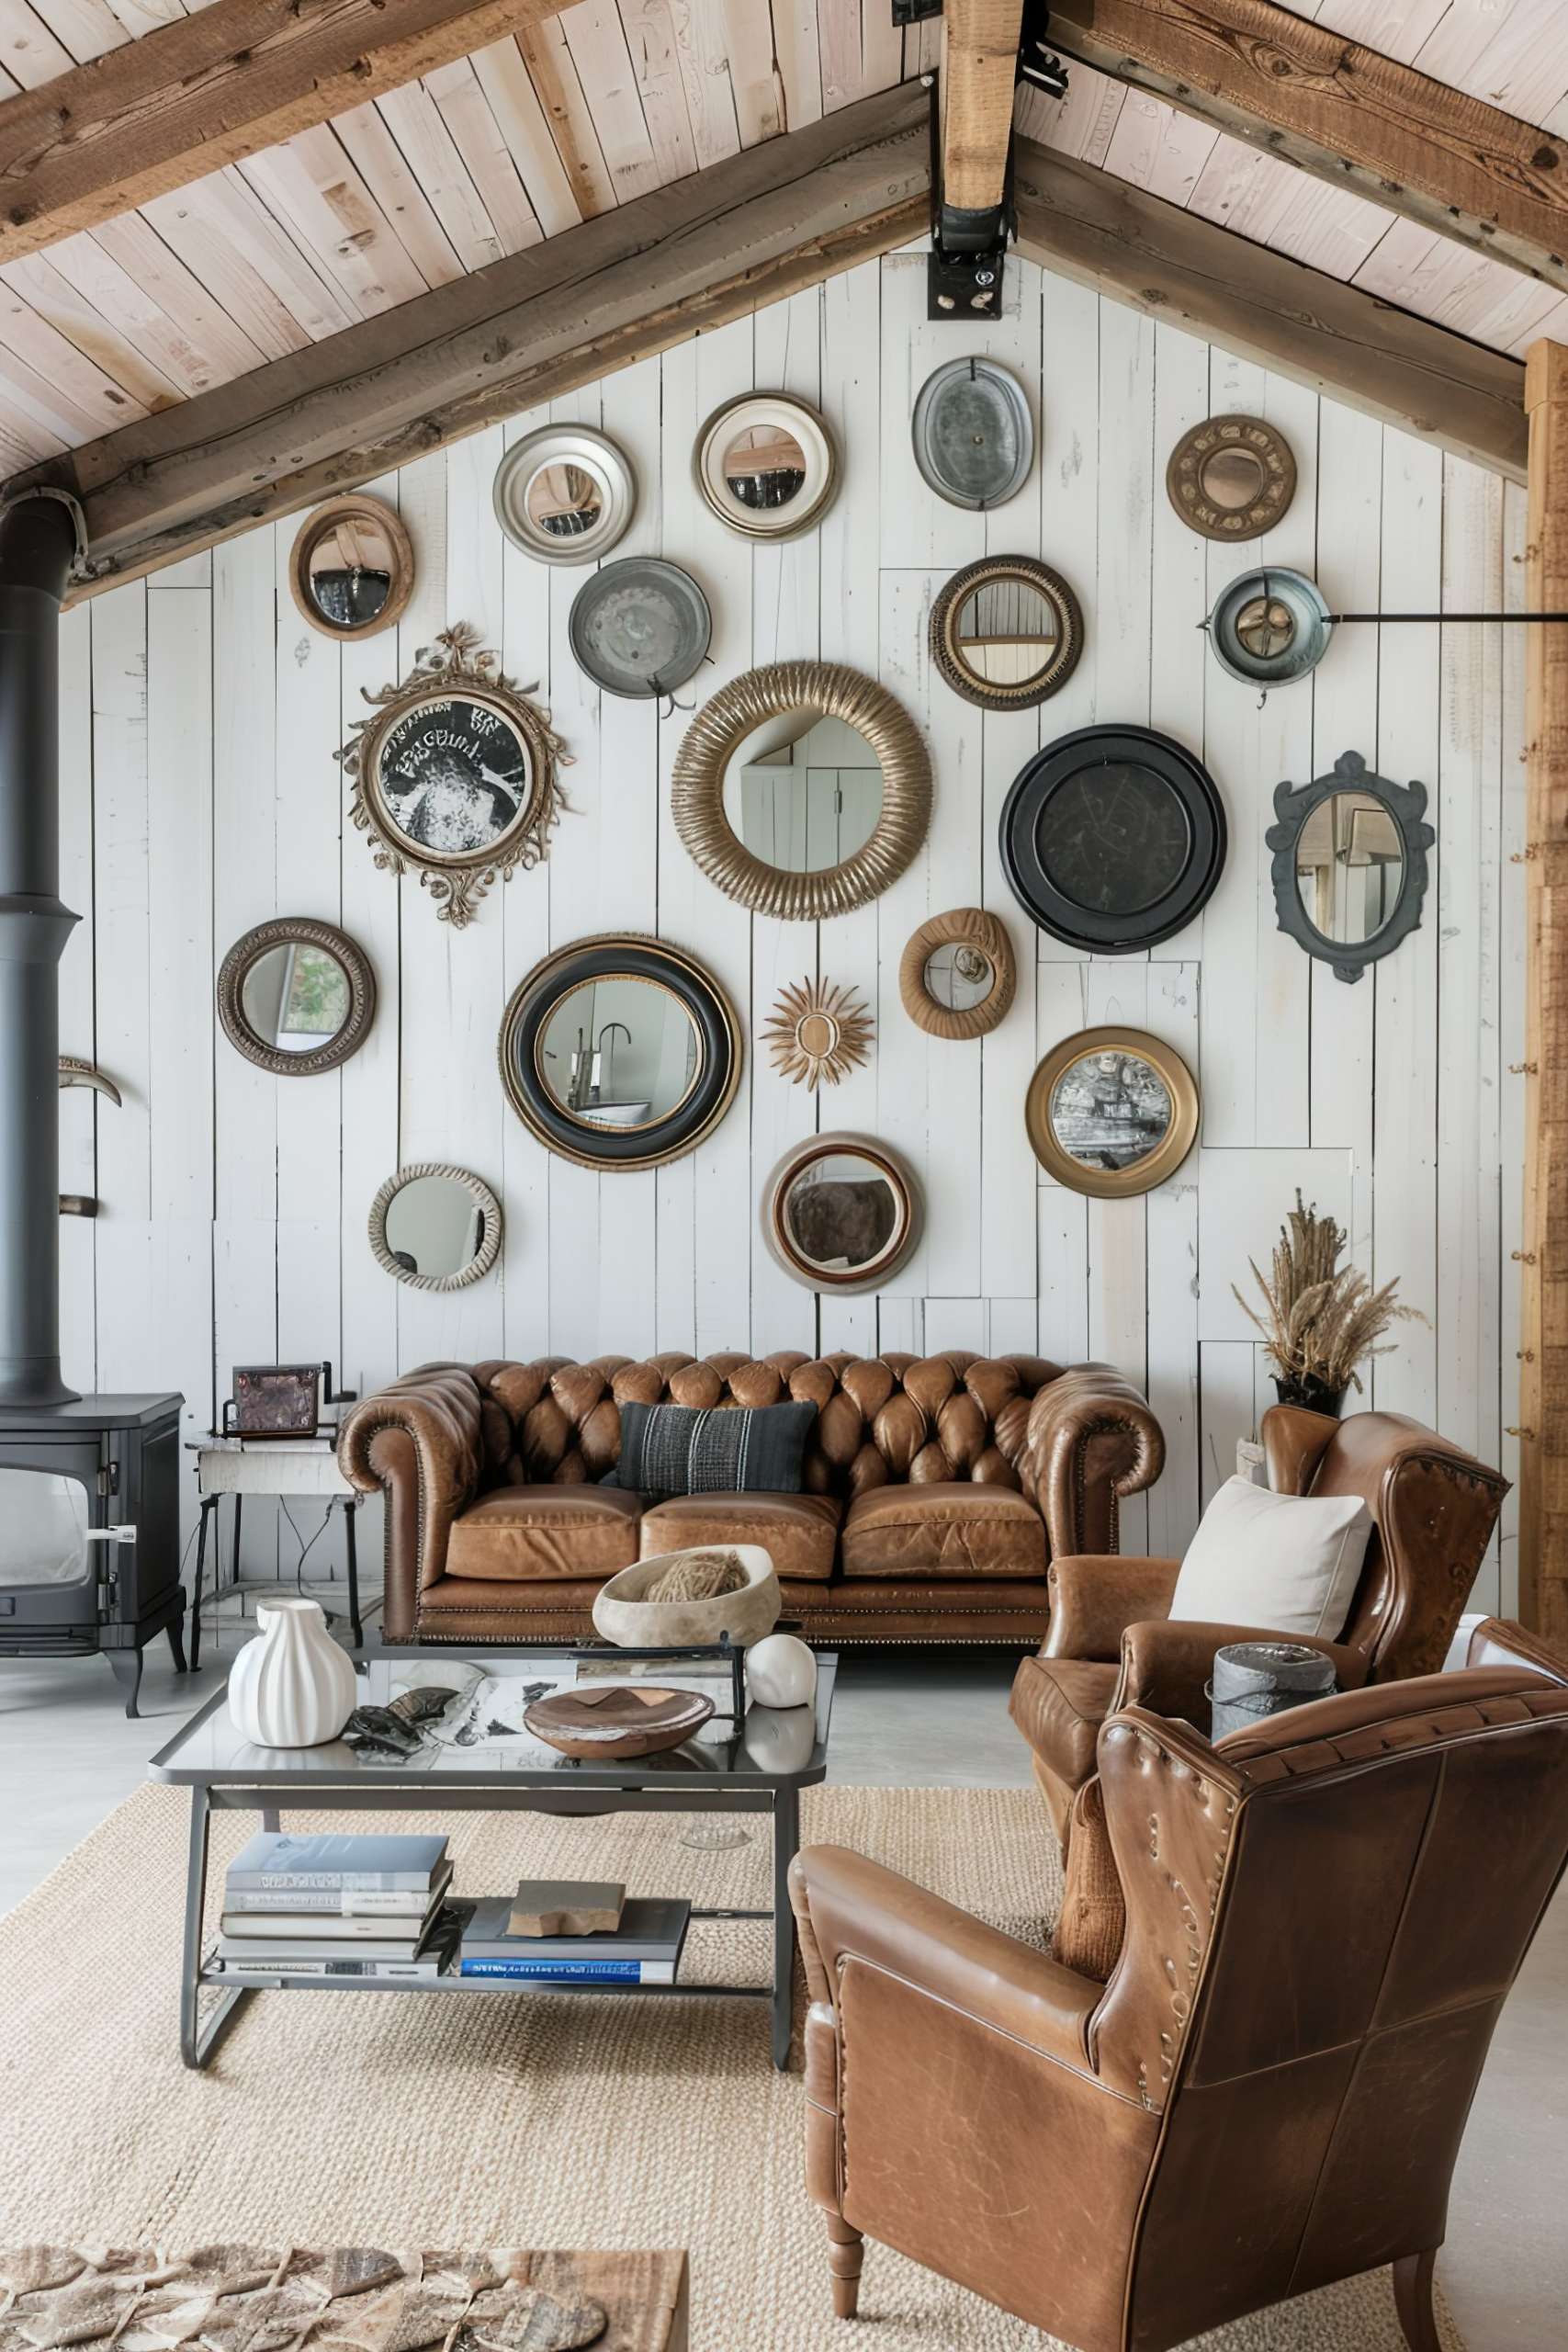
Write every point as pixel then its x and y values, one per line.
pixel 1543 1342
pixel 979 66
pixel 1268 307
pixel 1343 112
pixel 685 259
pixel 210 88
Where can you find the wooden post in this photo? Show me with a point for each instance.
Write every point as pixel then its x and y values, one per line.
pixel 1543 1366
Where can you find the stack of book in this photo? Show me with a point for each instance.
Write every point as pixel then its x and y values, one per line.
pixel 556 1932
pixel 338 1907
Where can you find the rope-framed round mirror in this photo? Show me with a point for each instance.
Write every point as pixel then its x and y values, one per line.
pixel 802 790
pixel 435 1227
pixel 956 976
pixel 296 996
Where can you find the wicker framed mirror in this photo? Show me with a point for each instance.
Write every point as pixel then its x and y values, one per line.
pixel 802 790
pixel 957 977
pixel 435 1227
pixel 296 996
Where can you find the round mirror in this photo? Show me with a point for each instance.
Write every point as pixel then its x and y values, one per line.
pixel 1006 632
pixel 436 1227
pixel 352 567
pixel 296 996
pixel 1111 1112
pixel 959 976
pixel 766 465
pixel 619 1052
pixel 841 1213
pixel 1231 476
pixel 1271 626
pixel 1350 867
pixel 565 493
pixel 956 975
pixel 803 792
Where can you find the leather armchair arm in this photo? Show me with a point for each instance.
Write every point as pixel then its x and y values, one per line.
pixel 1091 1439
pixel 419 1442
pixel 1165 1665
pixel 1094 1599
pixel 850 1908
pixel 1502 1641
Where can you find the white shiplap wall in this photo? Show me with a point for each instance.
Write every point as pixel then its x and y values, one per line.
pixel 201 796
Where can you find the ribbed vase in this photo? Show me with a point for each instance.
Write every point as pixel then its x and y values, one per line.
pixel 292 1687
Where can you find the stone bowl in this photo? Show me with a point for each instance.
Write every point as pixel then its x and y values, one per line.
pixel 623 1616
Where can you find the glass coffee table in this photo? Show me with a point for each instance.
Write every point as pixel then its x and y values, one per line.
pixel 758 1766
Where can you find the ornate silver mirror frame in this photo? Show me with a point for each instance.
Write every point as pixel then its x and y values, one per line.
pixel 485 1203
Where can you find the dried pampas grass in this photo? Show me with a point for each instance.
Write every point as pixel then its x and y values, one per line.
pixel 1321 1319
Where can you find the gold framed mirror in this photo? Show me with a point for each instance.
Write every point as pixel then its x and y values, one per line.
pixel 351 569
pixel 956 976
pixel 1232 477
pixel 1111 1112
pixel 1006 632
pixel 296 996
pixel 802 790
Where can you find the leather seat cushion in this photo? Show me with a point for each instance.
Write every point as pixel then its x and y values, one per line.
pixel 799 1533
pixel 531 1531
pixel 1059 1704
pixel 946 1528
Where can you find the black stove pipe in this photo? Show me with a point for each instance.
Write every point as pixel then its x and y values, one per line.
pixel 37 542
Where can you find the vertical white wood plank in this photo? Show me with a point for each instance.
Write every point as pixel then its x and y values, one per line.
pixel 78 1106
pixel 1171 1288
pixel 123 955
pixel 1512 935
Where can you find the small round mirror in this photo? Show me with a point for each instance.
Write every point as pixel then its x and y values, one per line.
pixel 956 974
pixel 436 1227
pixel 1232 477
pixel 1110 1110
pixel 564 502
pixel 352 567
pixel 766 465
pixel 1006 632
pixel 959 976
pixel 565 493
pixel 296 996
pixel 841 1213
pixel 1350 867
pixel 803 792
pixel 619 1052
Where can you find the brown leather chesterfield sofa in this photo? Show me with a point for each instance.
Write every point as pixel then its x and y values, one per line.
pixel 1323 1915
pixel 937 1490
pixel 1109 1644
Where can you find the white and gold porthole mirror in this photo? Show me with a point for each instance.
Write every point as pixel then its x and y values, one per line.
pixel 565 493
pixel 766 465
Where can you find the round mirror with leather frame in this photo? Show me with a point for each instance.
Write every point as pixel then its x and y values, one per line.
pixel 351 570
pixel 841 1213
pixel 296 996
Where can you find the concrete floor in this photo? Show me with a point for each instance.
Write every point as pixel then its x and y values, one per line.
pixel 902 1718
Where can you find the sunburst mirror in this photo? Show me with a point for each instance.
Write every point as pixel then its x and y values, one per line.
pixel 818 1030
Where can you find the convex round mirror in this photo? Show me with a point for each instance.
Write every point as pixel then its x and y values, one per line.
pixel 766 465
pixel 957 977
pixel 1349 869
pixel 620 1052
pixel 841 1213
pixel 296 996
pixel 1006 632
pixel 1232 477
pixel 352 567
pixel 803 790
pixel 565 493
pixel 436 1227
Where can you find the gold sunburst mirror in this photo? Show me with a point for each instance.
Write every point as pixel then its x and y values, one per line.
pixel 818 1030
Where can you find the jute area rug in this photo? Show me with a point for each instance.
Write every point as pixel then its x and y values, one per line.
pixel 412 2120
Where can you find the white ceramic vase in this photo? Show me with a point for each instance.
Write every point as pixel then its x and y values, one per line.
pixel 292 1687
pixel 781 1672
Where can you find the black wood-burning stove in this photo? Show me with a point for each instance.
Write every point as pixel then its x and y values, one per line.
pixel 89 1501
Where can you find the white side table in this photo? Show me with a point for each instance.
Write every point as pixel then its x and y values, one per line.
pixel 302 1467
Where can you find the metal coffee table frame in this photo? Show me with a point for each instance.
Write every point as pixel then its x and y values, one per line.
pixel 331 1779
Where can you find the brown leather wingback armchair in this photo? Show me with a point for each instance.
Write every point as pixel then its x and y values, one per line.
pixel 1323 1915
pixel 1109 1645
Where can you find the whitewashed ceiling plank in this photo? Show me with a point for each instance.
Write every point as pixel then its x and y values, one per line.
pixel 1469 292
pixel 78 399
pixel 22 441
pixel 321 307
pixel 134 246
pixel 417 124
pixel 598 44
pixel 1156 146
pixel 838 37
pixel 29 51
pixel 79 322
pixel 520 119
pixel 554 78
pixel 797 48
pixel 1083 123
pixel 1259 196
pixel 753 71
pixel 702 59
pixel 391 178
pixel 319 201
pixel 194 223
pixel 649 32
pixel 1514 55
pixel 476 136
pixel 189 362
pixel 84 27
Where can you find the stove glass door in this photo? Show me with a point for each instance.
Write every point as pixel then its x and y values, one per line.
pixel 43 1521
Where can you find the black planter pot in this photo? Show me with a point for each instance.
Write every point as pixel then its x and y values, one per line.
pixel 1311 1393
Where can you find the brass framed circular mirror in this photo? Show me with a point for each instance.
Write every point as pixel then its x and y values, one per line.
pixel 841 1213
pixel 803 790
pixel 435 1227
pixel 351 569
pixel 296 996
pixel 1232 477
pixel 1006 632
pixel 956 976
pixel 1111 1112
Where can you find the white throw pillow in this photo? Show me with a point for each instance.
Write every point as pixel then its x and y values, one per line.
pixel 1289 1562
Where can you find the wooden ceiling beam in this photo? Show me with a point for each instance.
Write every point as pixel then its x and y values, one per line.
pixel 212 88
pixel 980 41
pixel 1343 112
pixel 1264 306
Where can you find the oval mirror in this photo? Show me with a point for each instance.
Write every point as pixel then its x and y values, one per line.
pixel 296 996
pixel 620 1052
pixel 1349 869
pixel 974 436
pixel 352 567
pixel 841 1213
pixel 1006 632
pixel 803 792
pixel 436 1227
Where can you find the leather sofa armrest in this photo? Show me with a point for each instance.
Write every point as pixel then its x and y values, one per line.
pixel 1095 1597
pixel 1165 1665
pixel 850 1908
pixel 1502 1641
pixel 419 1442
pixel 1091 1439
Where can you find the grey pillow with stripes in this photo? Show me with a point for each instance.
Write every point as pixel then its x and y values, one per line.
pixel 687 1450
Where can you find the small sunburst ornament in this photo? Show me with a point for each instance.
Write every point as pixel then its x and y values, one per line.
pixel 817 1029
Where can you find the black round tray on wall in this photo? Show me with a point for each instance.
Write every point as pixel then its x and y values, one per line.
pixel 1112 837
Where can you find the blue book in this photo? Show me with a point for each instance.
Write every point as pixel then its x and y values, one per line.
pixel 644 1950
pixel 573 1971
pixel 277 1861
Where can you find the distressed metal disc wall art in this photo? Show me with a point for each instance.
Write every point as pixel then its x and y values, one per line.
pixel 973 434
pixel 1232 477
pixel 1270 627
pixel 455 774
pixel 817 1029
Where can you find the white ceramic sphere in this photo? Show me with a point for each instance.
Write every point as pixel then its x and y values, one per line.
pixel 292 1687
pixel 781 1672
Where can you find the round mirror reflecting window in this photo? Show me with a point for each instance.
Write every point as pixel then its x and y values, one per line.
pixel 803 792
pixel 1350 867
pixel 436 1227
pixel 352 567
pixel 619 1052
pixel 296 996
pixel 764 465
pixel 959 976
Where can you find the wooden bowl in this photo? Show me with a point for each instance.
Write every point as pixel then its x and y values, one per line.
pixel 619 1720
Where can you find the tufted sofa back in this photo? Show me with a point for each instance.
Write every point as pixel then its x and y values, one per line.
pixel 893 1419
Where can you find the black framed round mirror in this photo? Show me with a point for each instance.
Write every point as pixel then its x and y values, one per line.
pixel 1112 837
pixel 620 1052
pixel 296 996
